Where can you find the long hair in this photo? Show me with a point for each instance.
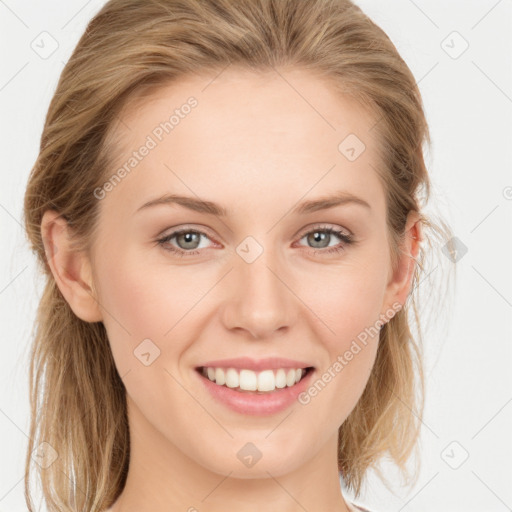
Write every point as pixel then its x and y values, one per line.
pixel 131 47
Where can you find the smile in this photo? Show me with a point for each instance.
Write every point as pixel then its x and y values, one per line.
pixel 244 380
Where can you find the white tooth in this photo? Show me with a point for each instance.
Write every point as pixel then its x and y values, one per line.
pixel 266 381
pixel 220 378
pixel 290 377
pixel 232 380
pixel 248 380
pixel 280 378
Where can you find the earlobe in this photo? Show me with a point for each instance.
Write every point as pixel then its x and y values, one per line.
pixel 71 269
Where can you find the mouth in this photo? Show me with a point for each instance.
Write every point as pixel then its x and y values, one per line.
pixel 253 382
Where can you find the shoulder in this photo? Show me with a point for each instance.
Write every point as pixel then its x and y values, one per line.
pixel 356 508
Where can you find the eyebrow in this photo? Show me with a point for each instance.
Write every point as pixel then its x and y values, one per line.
pixel 211 208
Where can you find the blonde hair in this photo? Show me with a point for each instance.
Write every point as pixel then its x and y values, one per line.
pixel 131 47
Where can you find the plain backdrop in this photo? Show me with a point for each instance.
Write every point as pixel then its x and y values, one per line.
pixel 460 54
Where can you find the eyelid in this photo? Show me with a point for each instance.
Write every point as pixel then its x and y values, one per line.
pixel 186 228
pixel 320 226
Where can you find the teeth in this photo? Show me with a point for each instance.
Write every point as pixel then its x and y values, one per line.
pixel 248 380
pixel 280 378
pixel 232 379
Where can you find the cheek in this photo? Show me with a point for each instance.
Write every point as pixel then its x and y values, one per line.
pixel 146 299
pixel 137 305
pixel 346 299
pixel 145 320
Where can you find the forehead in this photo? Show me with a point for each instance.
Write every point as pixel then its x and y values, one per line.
pixel 272 100
pixel 255 131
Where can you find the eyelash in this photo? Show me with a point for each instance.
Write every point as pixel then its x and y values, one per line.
pixel 347 239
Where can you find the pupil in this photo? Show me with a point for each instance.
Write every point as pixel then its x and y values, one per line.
pixel 189 238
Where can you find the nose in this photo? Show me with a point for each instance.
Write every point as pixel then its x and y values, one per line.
pixel 261 301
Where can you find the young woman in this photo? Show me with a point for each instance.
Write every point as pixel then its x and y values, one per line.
pixel 228 207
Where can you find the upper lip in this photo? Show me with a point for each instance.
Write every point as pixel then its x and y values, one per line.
pixel 266 363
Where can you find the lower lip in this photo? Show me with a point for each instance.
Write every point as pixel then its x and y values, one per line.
pixel 256 404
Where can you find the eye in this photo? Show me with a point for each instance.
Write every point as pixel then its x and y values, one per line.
pixel 322 235
pixel 188 240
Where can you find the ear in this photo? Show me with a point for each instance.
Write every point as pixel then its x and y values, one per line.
pixel 400 282
pixel 71 269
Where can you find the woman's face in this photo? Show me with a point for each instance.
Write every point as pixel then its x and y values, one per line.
pixel 264 279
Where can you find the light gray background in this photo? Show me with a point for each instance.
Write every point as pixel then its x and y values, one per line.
pixel 468 100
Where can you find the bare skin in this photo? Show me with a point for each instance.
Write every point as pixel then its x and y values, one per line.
pixel 254 146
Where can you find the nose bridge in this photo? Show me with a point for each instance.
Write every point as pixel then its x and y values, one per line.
pixel 262 303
